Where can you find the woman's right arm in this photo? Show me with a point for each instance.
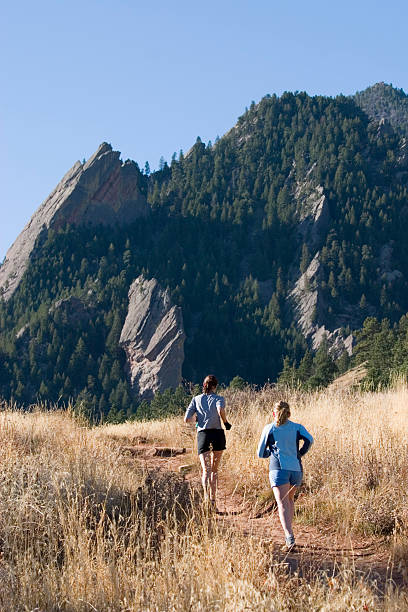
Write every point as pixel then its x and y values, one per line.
pixel 190 412
pixel 263 452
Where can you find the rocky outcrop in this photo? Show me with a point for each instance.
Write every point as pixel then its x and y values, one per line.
pixel 402 159
pixel 338 343
pixel 101 191
pixel 153 339
pixel 384 103
pixel 304 297
pixel 384 129
pixel 313 216
pixel 309 311
pixel 312 209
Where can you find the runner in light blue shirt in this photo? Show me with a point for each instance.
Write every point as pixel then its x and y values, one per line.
pixel 280 442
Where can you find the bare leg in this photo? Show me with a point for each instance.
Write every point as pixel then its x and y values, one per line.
pixel 205 460
pixel 291 497
pixel 215 462
pixel 285 498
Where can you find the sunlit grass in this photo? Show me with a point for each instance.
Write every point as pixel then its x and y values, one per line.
pixel 84 528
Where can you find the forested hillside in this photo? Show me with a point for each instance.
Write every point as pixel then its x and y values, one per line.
pixel 384 102
pixel 299 184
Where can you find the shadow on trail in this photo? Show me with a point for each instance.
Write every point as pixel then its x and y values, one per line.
pixel 229 513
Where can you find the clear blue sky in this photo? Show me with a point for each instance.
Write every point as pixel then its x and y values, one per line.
pixel 149 77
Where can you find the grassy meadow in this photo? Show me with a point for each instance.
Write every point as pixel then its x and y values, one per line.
pixel 82 527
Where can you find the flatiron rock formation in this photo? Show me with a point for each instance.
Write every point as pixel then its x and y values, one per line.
pixel 153 339
pixel 309 309
pixel 101 191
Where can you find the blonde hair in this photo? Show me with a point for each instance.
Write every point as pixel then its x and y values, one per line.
pixel 282 412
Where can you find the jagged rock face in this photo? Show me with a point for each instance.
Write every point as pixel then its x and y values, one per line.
pixel 102 191
pixel 308 307
pixel 304 297
pixel 153 339
pixel 337 343
pixel 312 210
pixel 314 216
pixel 314 219
pixel 312 207
pixel 403 155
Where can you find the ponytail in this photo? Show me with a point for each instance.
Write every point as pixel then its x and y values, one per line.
pixel 210 382
pixel 282 412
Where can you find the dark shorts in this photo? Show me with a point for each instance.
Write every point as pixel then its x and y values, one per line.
pixel 210 439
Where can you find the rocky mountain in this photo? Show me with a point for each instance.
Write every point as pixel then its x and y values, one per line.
pixel 152 338
pixel 102 191
pixel 276 241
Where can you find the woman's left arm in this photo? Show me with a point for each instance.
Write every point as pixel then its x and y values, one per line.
pixel 222 413
pixel 307 438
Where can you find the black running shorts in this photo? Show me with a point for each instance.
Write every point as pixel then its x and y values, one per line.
pixel 210 439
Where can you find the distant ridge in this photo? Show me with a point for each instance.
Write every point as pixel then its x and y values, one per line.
pixel 383 101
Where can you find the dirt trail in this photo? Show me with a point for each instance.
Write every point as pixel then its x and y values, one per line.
pixel 316 549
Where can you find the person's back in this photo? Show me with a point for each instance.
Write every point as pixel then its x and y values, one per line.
pixel 206 408
pixel 281 444
pixel 280 441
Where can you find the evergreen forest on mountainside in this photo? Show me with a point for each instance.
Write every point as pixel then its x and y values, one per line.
pixel 223 235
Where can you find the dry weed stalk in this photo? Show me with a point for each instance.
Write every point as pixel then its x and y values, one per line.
pixel 82 530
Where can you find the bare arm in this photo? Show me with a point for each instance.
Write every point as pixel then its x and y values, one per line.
pixel 190 415
pixel 223 415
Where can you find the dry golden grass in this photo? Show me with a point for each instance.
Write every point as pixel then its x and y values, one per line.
pixel 82 528
pixel 356 475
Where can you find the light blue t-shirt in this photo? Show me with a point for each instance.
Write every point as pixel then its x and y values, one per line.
pixel 205 407
pixel 281 444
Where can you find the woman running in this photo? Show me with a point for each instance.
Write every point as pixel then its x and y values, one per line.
pixel 209 410
pixel 280 441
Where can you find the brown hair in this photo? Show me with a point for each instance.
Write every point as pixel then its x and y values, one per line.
pixel 282 412
pixel 210 382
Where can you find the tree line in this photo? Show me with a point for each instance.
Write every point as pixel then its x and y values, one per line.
pixel 223 235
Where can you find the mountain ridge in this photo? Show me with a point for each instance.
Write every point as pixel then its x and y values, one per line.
pixel 101 191
pixel 232 231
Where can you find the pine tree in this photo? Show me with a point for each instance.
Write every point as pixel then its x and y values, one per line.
pixel 288 375
pixel 324 368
